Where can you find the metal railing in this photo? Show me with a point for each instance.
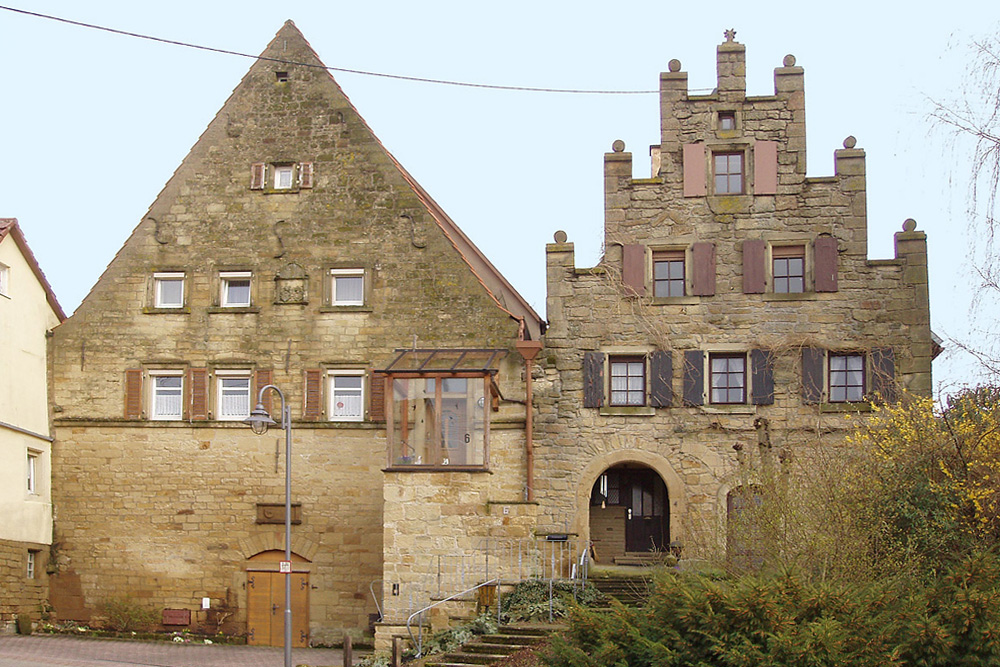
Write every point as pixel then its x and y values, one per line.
pixel 419 640
pixel 510 559
pixel 378 607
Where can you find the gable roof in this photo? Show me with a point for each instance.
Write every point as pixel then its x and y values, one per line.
pixel 9 227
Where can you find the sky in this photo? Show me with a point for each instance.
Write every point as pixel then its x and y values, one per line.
pixel 93 124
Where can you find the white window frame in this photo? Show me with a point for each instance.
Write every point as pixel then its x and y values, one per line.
pixel 221 376
pixel 227 277
pixel 154 393
pixel 281 169
pixel 333 394
pixel 4 280
pixel 162 278
pixel 346 273
pixel 32 563
pixel 34 457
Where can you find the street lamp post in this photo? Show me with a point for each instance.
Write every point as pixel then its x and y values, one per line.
pixel 259 420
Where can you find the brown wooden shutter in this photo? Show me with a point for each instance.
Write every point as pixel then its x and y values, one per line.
pixel 593 379
pixel 312 408
pixel 762 377
pixel 754 266
pixel 198 391
pixel 703 269
pixel 694 377
pixel 377 411
pixel 813 365
pixel 825 258
pixel 661 376
pixel 694 170
pixel 634 269
pixel 305 174
pixel 883 370
pixel 262 378
pixel 133 393
pixel 257 175
pixel 765 167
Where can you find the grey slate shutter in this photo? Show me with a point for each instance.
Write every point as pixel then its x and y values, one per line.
pixel 825 257
pixel 634 269
pixel 703 271
pixel 754 270
pixel 593 379
pixel 762 377
pixel 661 374
pixel 813 362
pixel 694 377
pixel 883 369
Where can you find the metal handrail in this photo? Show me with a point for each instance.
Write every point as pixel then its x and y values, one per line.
pixel 378 607
pixel 420 641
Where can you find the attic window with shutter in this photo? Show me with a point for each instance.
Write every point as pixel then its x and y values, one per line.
pixel 281 177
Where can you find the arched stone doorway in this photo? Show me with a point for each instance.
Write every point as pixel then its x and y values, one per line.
pixel 266 599
pixel 629 513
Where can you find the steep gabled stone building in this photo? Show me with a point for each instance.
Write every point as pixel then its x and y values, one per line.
pixel 735 304
pixel 290 248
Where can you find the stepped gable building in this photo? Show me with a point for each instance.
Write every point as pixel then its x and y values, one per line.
pixel 735 304
pixel 289 248
pixel 28 311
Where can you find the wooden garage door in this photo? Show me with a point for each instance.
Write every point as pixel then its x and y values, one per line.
pixel 266 608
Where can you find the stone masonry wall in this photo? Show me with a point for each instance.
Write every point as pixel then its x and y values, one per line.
pixel 22 595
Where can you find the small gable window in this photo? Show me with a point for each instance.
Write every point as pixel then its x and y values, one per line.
pixel 278 177
pixel 168 290
pixel 283 175
pixel 235 289
pixel 347 287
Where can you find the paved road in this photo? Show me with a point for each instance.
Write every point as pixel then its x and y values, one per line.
pixel 61 651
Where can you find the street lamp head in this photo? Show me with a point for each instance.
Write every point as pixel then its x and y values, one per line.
pixel 259 420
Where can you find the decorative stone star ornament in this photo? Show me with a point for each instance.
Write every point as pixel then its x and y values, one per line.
pixel 730 35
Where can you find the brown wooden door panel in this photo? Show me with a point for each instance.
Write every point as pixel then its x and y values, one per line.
pixel 266 609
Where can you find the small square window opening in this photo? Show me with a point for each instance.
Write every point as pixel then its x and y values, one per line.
pixel 847 378
pixel 168 290
pixel 234 395
pixel 788 267
pixel 281 77
pixel 728 378
pixel 168 390
pixel 727 121
pixel 728 173
pixel 668 274
pixel 628 381
pixel 235 289
pixel 348 287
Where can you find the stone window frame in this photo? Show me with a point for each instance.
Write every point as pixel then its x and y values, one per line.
pixel 629 360
pixel 156 373
pixel 363 391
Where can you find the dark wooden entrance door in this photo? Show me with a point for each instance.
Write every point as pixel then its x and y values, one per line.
pixel 646 517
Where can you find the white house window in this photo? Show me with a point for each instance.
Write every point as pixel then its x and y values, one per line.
pixel 347 287
pixel 234 395
pixel 167 394
pixel 32 562
pixel 168 290
pixel 32 471
pixel 347 395
pixel 235 287
pixel 4 280
pixel 284 176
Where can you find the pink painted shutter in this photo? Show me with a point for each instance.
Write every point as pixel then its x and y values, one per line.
pixel 634 269
pixel 703 271
pixel 133 394
pixel 694 170
pixel 754 266
pixel 198 388
pixel 257 176
pixel 305 174
pixel 765 167
pixel 313 407
pixel 825 257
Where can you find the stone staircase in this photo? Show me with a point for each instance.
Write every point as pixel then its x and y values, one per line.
pixel 488 649
pixel 630 590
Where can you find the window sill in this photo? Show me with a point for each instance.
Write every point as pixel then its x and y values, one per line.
pixel 346 309
pixel 233 309
pixel 627 411
pixel 723 204
pixel 723 409
pixel 166 311
pixel 676 300
pixel 435 468
pixel 845 407
pixel 794 296
pixel 281 191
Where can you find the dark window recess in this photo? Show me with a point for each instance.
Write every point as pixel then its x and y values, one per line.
pixel 661 373
pixel 668 273
pixel 825 260
pixel 813 360
pixel 634 269
pixel 762 373
pixel 694 377
pixel 281 77
pixel 754 276
pixel 703 269
pixel 593 379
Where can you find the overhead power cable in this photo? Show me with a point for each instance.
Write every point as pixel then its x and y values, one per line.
pixel 399 77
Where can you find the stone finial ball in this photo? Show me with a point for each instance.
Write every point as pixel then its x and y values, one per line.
pixel 559 237
pixel 909 225
pixel 618 146
pixel 850 142
pixel 674 65
pixel 789 60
